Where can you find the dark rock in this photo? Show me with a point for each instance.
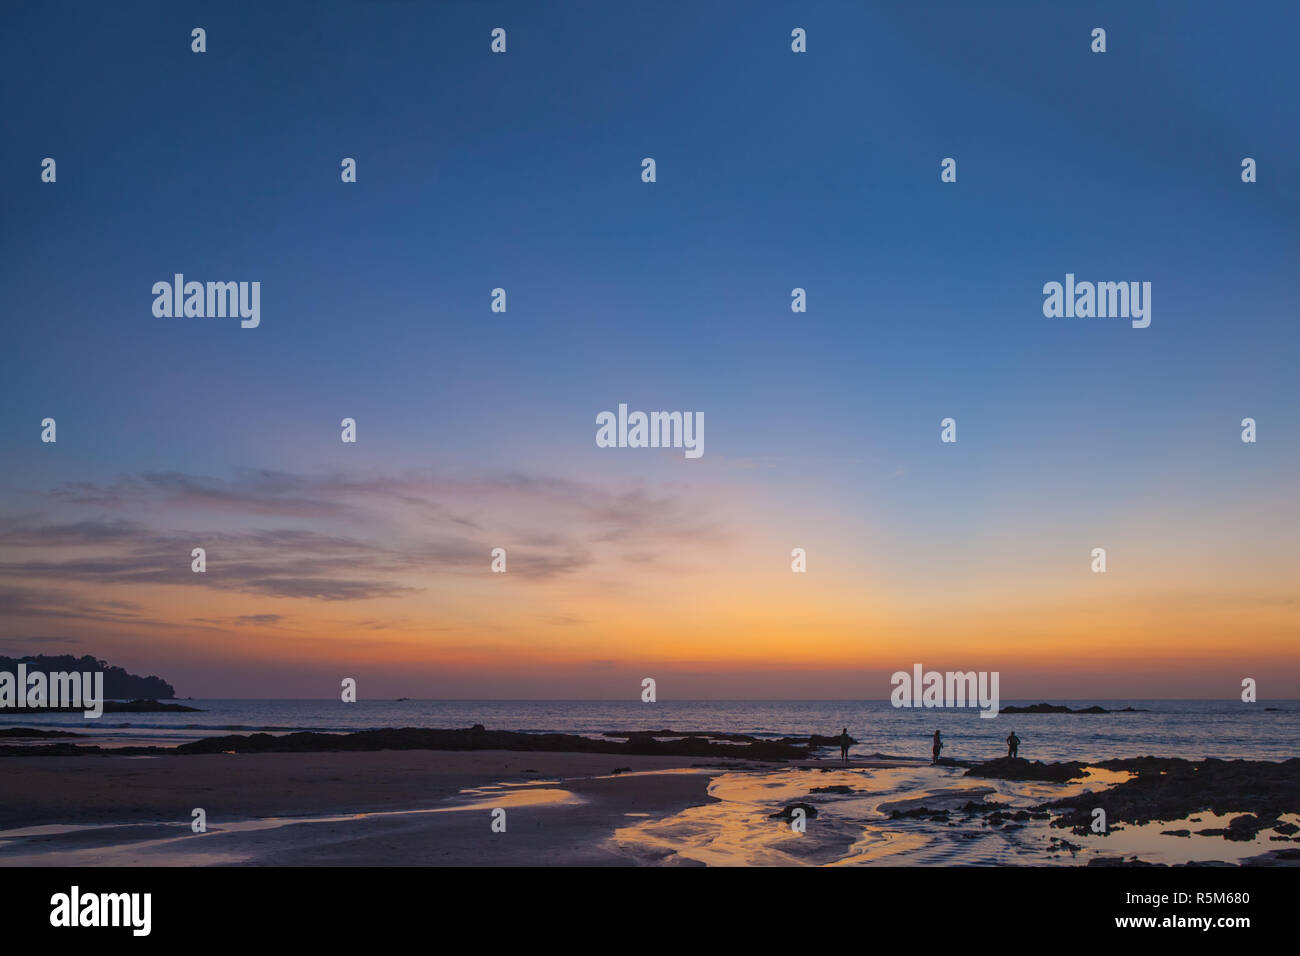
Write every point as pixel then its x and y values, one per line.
pixel 1001 816
pixel 1167 788
pixel 919 812
pixel 1015 768
pixel 146 707
pixel 1062 709
pixel 1241 829
pixel 110 707
pixel 1120 861
pixel 411 738
pixel 812 742
pixel 809 811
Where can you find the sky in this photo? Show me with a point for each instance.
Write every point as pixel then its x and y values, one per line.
pixel 476 429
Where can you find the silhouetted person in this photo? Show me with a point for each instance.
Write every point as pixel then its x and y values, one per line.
pixel 1013 744
pixel 844 745
pixel 938 745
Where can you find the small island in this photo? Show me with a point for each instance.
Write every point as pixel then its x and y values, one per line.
pixel 1062 709
pixel 110 707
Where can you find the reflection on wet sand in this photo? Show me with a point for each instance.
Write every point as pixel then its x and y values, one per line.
pixel 720 814
pixel 131 844
pixel 874 817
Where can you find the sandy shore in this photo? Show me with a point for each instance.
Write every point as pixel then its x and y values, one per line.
pixel 302 809
pixel 424 807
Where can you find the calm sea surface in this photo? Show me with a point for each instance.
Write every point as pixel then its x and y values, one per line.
pixel 1184 728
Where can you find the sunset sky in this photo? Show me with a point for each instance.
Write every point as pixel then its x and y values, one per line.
pixel 477 429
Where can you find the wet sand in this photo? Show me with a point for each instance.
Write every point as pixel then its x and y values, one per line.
pixel 369 808
pixel 561 809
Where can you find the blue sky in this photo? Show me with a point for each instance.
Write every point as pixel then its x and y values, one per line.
pixel 775 170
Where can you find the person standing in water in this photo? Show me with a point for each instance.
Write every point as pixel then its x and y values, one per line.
pixel 938 745
pixel 1013 745
pixel 844 746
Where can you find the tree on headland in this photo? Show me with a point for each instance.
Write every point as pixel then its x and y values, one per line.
pixel 118 684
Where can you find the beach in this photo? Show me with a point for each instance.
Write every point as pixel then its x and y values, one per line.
pixel 436 807
pixel 383 807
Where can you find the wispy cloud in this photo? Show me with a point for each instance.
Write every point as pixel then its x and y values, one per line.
pixel 35 602
pixel 336 537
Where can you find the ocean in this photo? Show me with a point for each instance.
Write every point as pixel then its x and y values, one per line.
pixel 1268 730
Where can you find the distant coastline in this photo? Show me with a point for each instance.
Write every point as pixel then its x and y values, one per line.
pixel 118 684
pixel 110 707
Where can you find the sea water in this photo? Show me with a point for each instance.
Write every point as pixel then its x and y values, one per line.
pixel 1267 730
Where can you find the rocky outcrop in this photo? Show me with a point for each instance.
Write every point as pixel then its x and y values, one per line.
pixel 110 707
pixel 812 740
pixel 476 738
pixel 1062 709
pixel 1167 788
pixel 809 811
pixel 1017 768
